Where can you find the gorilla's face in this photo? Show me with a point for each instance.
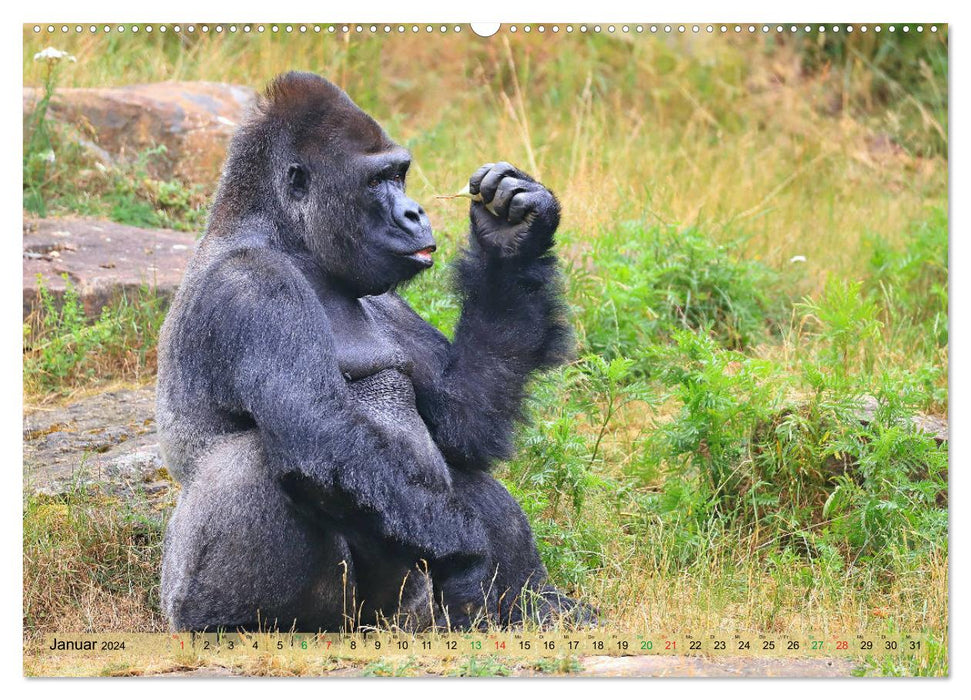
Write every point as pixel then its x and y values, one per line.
pixel 397 235
pixel 347 185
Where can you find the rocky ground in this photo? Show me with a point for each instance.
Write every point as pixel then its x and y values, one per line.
pixel 628 667
pixel 107 440
pixel 101 260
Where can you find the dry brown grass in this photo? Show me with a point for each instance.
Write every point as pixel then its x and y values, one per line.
pixel 708 130
pixel 90 565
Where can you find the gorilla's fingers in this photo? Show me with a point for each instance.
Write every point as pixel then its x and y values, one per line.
pixel 489 184
pixel 525 204
pixel 509 187
pixel 477 176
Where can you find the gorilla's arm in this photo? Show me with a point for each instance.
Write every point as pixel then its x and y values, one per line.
pixel 470 392
pixel 269 353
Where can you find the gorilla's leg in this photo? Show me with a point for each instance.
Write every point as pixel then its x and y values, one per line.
pixel 239 554
pixel 392 589
pixel 518 587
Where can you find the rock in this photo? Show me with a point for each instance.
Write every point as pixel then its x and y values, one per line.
pixel 107 439
pixel 934 426
pixel 138 466
pixel 102 260
pixel 193 120
pixel 156 488
pixel 201 672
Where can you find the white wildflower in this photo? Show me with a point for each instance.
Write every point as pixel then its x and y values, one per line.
pixel 49 156
pixel 797 259
pixel 53 55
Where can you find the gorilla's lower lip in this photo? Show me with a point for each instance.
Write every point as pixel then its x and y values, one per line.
pixel 423 256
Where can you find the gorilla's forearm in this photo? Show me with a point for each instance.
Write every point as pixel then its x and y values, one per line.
pixel 513 322
pixel 346 473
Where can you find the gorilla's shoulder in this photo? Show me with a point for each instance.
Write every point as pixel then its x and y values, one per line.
pixel 255 271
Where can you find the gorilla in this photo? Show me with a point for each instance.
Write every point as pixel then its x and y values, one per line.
pixel 334 449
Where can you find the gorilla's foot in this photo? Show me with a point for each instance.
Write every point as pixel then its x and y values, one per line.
pixel 549 607
pixel 474 619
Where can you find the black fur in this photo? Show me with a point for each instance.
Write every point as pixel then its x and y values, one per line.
pixel 333 447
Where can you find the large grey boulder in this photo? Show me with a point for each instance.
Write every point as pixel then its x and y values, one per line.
pixel 102 260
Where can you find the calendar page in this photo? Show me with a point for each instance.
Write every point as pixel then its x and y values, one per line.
pixel 557 349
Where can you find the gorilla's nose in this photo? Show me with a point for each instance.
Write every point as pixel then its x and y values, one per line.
pixel 411 218
pixel 414 214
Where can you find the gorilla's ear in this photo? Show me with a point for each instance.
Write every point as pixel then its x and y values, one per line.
pixel 298 181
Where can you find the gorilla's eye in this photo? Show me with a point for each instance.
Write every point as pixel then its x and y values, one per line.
pixel 386 176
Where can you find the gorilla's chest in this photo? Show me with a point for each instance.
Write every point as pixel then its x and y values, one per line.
pixel 364 351
pixel 389 397
pixel 387 400
pixel 378 376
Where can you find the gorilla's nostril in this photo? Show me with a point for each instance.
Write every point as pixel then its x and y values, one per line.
pixel 413 216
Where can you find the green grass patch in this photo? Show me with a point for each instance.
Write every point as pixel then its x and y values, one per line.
pixel 65 350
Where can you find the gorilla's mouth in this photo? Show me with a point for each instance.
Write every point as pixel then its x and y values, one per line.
pixel 423 256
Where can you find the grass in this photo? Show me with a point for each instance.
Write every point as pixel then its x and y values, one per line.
pixel 736 135
pixel 732 447
pixel 65 351
pixel 91 562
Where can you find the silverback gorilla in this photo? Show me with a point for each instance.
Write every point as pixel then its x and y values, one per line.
pixel 334 448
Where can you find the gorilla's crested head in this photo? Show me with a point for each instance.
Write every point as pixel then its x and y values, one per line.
pixel 334 183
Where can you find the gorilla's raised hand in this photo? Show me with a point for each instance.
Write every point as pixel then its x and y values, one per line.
pixel 512 215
